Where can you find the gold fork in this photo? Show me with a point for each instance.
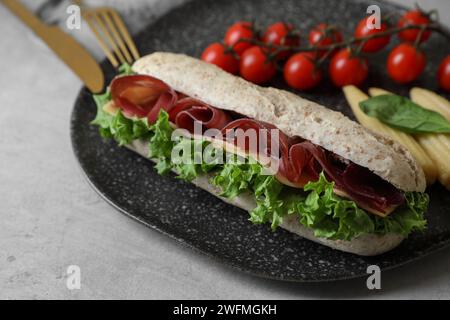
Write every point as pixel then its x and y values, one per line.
pixel 111 33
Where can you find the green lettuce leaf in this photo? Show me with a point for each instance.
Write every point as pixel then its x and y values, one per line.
pixel 269 204
pixel 188 162
pixel 102 119
pixel 125 70
pixel 126 130
pixel 316 207
pixel 122 129
pixel 116 126
pixel 406 219
pixel 268 211
pixel 179 153
pixel 234 179
pixel 330 216
pixel 160 144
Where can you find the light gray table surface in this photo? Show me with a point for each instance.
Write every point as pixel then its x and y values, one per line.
pixel 50 217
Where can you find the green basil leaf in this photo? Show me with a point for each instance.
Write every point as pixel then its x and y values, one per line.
pixel 403 114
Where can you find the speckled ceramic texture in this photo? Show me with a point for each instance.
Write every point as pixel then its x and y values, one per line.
pixel 201 221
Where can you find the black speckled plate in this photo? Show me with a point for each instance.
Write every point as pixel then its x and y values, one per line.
pixel 198 219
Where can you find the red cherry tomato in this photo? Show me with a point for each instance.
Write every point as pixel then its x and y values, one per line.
pixel 300 71
pixel 239 30
pixel 216 54
pixel 413 17
pixel 345 69
pixel 444 73
pixel 321 35
pixel 255 66
pixel 405 63
pixel 281 33
pixel 372 45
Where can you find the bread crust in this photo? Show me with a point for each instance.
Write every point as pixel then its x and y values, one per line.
pixel 290 113
pixel 364 245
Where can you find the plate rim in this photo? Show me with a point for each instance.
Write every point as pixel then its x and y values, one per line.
pixel 178 240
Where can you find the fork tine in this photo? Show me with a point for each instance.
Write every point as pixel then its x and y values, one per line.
pixel 124 31
pixel 89 19
pixel 105 14
pixel 108 36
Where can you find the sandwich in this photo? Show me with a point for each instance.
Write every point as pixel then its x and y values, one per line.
pixel 287 161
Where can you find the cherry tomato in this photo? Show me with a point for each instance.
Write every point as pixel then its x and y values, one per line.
pixel 345 69
pixel 216 54
pixel 405 63
pixel 239 30
pixel 300 71
pixel 413 17
pixel 372 45
pixel 255 66
pixel 321 35
pixel 444 73
pixel 281 33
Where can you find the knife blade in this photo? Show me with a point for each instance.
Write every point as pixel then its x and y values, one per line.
pixel 63 45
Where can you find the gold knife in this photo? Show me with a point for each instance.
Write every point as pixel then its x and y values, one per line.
pixel 69 50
